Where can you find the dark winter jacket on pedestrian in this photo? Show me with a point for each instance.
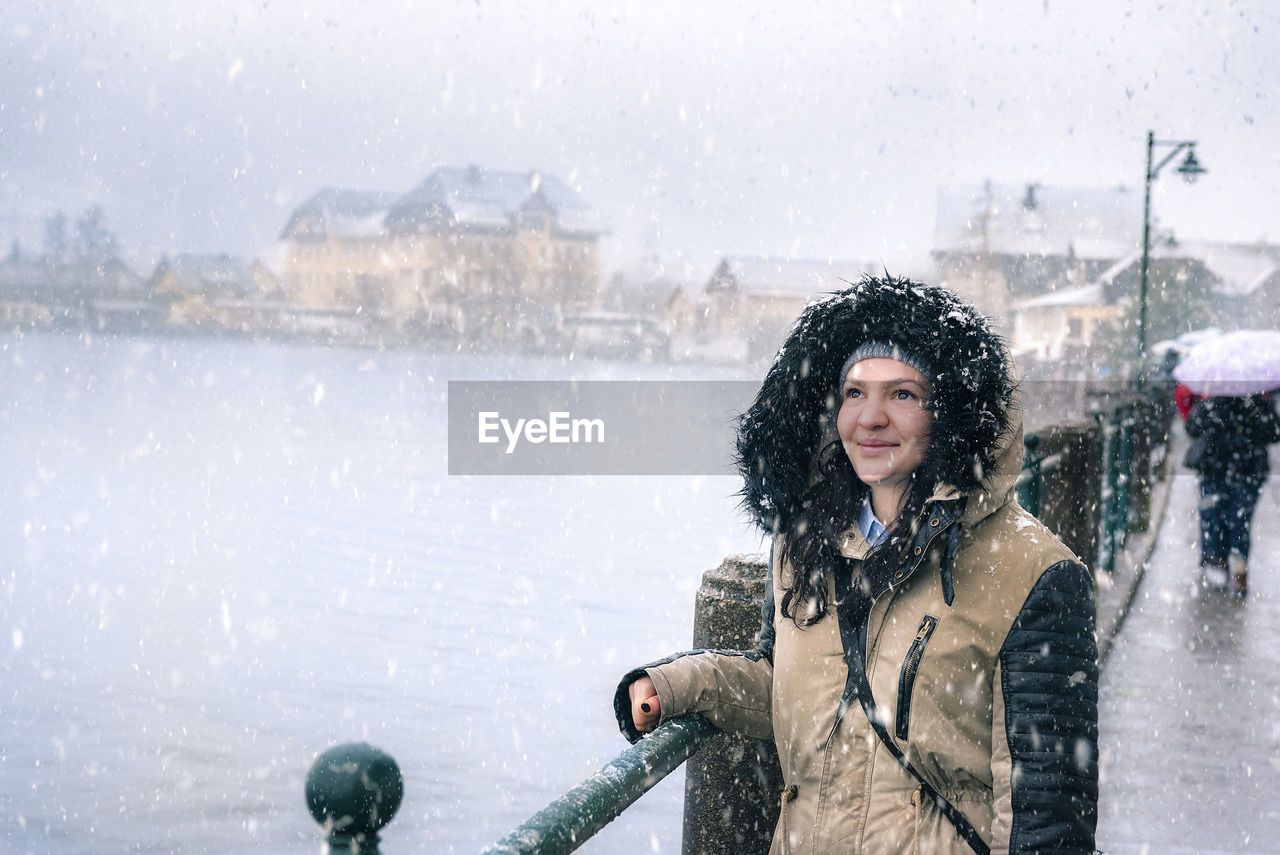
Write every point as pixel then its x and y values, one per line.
pixel 977 640
pixel 1235 432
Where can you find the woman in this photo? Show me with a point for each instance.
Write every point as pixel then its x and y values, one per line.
pixel 1233 465
pixel 910 583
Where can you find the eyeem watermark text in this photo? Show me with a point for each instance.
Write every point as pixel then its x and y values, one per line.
pixel 558 427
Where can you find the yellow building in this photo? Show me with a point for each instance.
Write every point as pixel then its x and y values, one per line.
pixel 336 251
pixel 219 292
pixel 488 254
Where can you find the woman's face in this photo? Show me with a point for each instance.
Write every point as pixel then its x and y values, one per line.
pixel 883 423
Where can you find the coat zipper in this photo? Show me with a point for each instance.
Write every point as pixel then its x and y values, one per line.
pixel 907 679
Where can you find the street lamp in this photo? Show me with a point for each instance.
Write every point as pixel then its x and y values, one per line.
pixel 1190 170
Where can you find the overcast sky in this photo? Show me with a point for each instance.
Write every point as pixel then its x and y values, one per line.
pixel 696 128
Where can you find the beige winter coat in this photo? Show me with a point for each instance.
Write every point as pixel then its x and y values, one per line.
pixel 992 697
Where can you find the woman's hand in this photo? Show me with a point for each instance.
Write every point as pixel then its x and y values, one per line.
pixel 645 711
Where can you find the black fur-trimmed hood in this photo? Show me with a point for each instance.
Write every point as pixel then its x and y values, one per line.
pixel 793 415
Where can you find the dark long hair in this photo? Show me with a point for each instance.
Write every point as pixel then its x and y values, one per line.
pixel 829 508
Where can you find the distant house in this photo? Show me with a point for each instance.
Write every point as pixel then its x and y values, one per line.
pixel 336 252
pixel 40 293
pixel 1247 280
pixel 1241 280
pixel 214 291
pixel 664 301
pixel 492 254
pixel 1262 303
pixel 1061 322
pixel 999 244
pixel 755 299
pixel 633 320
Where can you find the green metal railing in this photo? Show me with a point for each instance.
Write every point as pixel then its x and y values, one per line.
pixel 572 819
pixel 353 790
pixel 1031 478
pixel 1118 428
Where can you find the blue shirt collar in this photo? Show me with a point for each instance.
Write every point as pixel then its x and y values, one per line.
pixel 872 529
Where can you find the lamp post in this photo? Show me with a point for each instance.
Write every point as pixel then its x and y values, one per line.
pixel 1190 170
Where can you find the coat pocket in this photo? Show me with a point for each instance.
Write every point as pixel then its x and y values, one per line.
pixel 907 677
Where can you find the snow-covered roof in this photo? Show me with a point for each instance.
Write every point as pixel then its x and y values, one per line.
pixel 338 213
pixel 53 281
pixel 1085 295
pixel 472 197
pixel 1108 276
pixel 784 277
pixel 1239 268
pixel 1036 219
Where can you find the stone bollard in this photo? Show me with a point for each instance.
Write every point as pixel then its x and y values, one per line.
pixel 353 790
pixel 733 786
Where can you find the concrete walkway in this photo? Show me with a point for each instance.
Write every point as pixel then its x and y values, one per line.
pixel 1190 695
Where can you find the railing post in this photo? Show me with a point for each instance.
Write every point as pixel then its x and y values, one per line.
pixel 1126 416
pixel 1144 441
pixel 732 787
pixel 1106 539
pixel 353 790
pixel 1116 492
pixel 1162 413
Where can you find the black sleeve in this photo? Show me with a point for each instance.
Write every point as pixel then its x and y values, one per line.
pixel 1049 663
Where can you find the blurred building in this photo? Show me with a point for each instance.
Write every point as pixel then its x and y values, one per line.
pixel 661 300
pixel 1191 285
pixel 336 250
pixel 492 255
pixel 40 293
pixel 756 300
pixel 216 292
pixel 1000 244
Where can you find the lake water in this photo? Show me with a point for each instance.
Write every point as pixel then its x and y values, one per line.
pixel 221 558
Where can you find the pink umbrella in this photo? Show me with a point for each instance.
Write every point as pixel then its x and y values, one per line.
pixel 1244 362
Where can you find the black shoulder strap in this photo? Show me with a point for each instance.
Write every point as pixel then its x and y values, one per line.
pixel 853 607
pixel 958 819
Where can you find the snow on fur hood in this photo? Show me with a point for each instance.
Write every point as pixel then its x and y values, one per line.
pixel 793 415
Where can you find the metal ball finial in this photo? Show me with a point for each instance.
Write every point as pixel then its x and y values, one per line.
pixel 353 790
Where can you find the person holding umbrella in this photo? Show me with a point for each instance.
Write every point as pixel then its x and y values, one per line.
pixel 1230 429
pixel 1232 463
pixel 927 663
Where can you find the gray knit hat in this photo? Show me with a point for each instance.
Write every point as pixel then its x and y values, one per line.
pixel 884 350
